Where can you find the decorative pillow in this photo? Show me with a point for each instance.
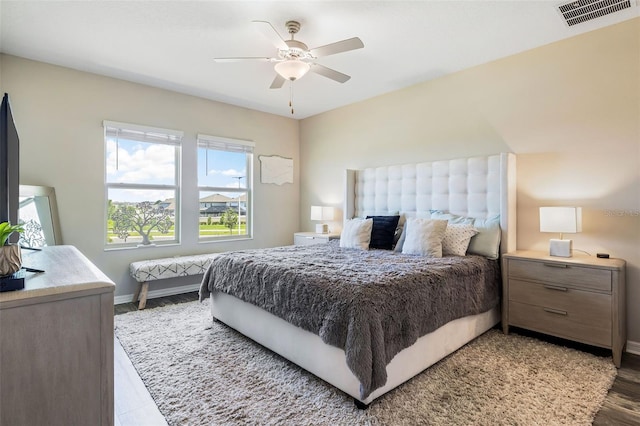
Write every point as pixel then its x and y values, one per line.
pixel 456 239
pixel 401 238
pixel 452 218
pixel 384 228
pixel 356 233
pixel 487 241
pixel 398 232
pixel 424 237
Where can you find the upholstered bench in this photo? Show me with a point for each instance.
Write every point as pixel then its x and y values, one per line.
pixel 145 271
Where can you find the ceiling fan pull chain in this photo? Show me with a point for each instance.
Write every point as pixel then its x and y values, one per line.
pixel 291 96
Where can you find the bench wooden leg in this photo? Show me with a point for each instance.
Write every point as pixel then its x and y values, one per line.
pixel 144 288
pixel 137 293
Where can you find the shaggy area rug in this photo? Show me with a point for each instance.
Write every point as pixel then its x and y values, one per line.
pixel 204 373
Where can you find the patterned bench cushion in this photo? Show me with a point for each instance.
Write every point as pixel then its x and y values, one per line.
pixel 170 267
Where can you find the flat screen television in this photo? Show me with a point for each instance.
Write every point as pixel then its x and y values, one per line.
pixel 9 165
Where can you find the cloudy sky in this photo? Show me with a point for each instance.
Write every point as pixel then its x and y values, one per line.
pixel 135 162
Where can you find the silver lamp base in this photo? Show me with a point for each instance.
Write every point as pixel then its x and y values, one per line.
pixel 560 248
pixel 322 228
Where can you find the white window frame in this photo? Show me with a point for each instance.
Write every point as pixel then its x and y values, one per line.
pixel 145 134
pixel 234 145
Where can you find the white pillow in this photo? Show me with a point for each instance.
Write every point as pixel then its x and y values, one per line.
pixel 356 233
pixel 424 237
pixel 487 241
pixel 456 239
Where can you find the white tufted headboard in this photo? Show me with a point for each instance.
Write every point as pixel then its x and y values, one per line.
pixel 478 187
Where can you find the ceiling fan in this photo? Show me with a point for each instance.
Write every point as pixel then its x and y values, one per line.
pixel 294 59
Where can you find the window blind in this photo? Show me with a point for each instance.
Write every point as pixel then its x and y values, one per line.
pixel 136 132
pixel 225 144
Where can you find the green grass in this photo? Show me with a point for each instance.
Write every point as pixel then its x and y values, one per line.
pixel 219 230
pixel 212 230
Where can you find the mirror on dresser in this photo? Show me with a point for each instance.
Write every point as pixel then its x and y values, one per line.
pixel 39 215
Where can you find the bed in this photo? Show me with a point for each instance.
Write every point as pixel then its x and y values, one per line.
pixel 332 310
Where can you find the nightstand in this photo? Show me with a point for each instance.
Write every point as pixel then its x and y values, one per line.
pixel 581 298
pixel 310 238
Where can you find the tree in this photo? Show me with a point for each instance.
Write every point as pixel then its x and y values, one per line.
pixel 142 218
pixel 229 219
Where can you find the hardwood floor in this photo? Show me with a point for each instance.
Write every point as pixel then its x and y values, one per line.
pixel 135 407
pixel 133 404
pixel 622 406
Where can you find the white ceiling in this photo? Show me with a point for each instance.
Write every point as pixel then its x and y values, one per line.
pixel 171 44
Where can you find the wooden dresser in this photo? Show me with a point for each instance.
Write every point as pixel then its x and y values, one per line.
pixel 56 343
pixel 581 298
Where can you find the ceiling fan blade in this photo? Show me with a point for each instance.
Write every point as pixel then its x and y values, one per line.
pixel 243 59
pixel 277 82
pixel 266 29
pixel 337 47
pixel 329 73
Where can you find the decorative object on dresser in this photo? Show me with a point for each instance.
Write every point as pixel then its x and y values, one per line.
pixel 10 255
pixel 580 299
pixel 10 259
pixel 309 238
pixel 560 220
pixel 56 363
pixel 322 213
pixel 39 216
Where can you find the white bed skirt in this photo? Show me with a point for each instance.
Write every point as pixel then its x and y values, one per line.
pixel 328 362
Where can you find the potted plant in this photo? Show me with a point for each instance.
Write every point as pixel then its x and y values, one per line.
pixel 10 254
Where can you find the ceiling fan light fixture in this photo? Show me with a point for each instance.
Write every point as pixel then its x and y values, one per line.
pixel 292 69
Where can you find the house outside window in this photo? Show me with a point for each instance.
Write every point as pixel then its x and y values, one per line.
pixel 142 185
pixel 225 188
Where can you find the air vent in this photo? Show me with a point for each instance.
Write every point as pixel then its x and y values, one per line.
pixel 580 11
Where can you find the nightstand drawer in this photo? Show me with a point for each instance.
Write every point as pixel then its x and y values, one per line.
pixel 301 240
pixel 545 320
pixel 561 273
pixel 588 308
pixel 311 238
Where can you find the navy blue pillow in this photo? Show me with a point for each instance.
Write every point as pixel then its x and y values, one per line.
pixel 384 228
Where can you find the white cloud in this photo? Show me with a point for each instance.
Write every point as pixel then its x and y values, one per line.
pixel 228 172
pixel 140 163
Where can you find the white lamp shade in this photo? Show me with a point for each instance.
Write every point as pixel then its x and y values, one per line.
pixel 316 212
pixel 322 213
pixel 561 219
pixel 292 69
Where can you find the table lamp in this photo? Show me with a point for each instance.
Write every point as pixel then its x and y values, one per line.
pixel 322 213
pixel 562 220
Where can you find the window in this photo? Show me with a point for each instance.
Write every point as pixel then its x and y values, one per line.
pixel 224 188
pixel 142 190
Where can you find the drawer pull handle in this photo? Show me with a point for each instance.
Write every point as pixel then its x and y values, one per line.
pixel 555 265
pixel 555 311
pixel 552 287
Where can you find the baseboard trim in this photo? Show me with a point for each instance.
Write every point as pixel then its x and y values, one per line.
pixel 128 298
pixel 633 347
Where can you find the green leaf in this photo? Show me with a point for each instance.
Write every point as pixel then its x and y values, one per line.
pixel 6 230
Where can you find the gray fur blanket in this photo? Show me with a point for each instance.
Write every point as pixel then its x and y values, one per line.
pixel 372 304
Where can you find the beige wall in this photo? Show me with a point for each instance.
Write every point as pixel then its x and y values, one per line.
pixel 59 114
pixel 569 110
